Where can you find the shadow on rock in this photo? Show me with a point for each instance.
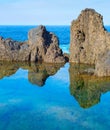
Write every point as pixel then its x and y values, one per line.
pixel 85 87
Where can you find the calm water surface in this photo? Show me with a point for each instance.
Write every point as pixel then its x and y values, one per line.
pixel 52 97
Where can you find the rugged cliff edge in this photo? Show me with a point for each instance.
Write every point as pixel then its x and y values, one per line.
pixel 41 46
pixel 90 41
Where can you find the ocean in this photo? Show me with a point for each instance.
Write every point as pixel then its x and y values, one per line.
pixel 51 97
pixel 20 33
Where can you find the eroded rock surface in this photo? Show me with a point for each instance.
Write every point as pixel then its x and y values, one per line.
pixel 41 46
pixel 102 67
pixel 44 46
pixel 88 37
pixel 11 50
pixel 89 40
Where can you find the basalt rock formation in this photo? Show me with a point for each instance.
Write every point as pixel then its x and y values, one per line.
pixel 102 67
pixel 11 50
pixel 41 46
pixel 44 46
pixel 89 40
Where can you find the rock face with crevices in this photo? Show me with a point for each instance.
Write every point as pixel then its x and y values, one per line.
pixel 44 46
pixel 89 38
pixel 90 42
pixel 11 50
pixel 102 67
pixel 41 46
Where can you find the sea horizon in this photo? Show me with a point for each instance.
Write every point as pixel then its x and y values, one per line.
pixel 20 33
pixel 54 65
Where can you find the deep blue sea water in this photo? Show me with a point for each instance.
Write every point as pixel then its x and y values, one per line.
pixel 20 33
pixel 50 97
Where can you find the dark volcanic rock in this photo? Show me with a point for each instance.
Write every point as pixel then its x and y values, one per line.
pixel 67 56
pixel 102 67
pixel 11 50
pixel 44 46
pixel 41 46
pixel 89 39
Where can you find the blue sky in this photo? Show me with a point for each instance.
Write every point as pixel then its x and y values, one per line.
pixel 48 12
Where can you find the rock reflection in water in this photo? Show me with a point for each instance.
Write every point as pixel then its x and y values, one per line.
pixel 40 72
pixel 86 88
pixel 37 73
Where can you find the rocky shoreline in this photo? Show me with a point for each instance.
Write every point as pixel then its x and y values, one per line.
pixel 90 44
pixel 41 46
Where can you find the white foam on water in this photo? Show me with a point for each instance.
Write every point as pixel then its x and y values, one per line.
pixel 65 48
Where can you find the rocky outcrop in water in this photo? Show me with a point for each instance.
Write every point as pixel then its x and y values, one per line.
pixel 44 46
pixel 102 67
pixel 11 50
pixel 89 40
pixel 41 46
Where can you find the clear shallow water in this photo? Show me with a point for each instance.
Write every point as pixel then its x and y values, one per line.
pixel 52 97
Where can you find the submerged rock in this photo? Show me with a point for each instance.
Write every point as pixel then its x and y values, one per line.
pixel 41 46
pixel 89 40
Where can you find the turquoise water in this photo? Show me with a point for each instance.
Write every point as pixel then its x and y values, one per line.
pixel 51 97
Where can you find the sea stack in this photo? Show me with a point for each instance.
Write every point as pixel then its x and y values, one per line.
pixel 90 41
pixel 44 46
pixel 89 38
